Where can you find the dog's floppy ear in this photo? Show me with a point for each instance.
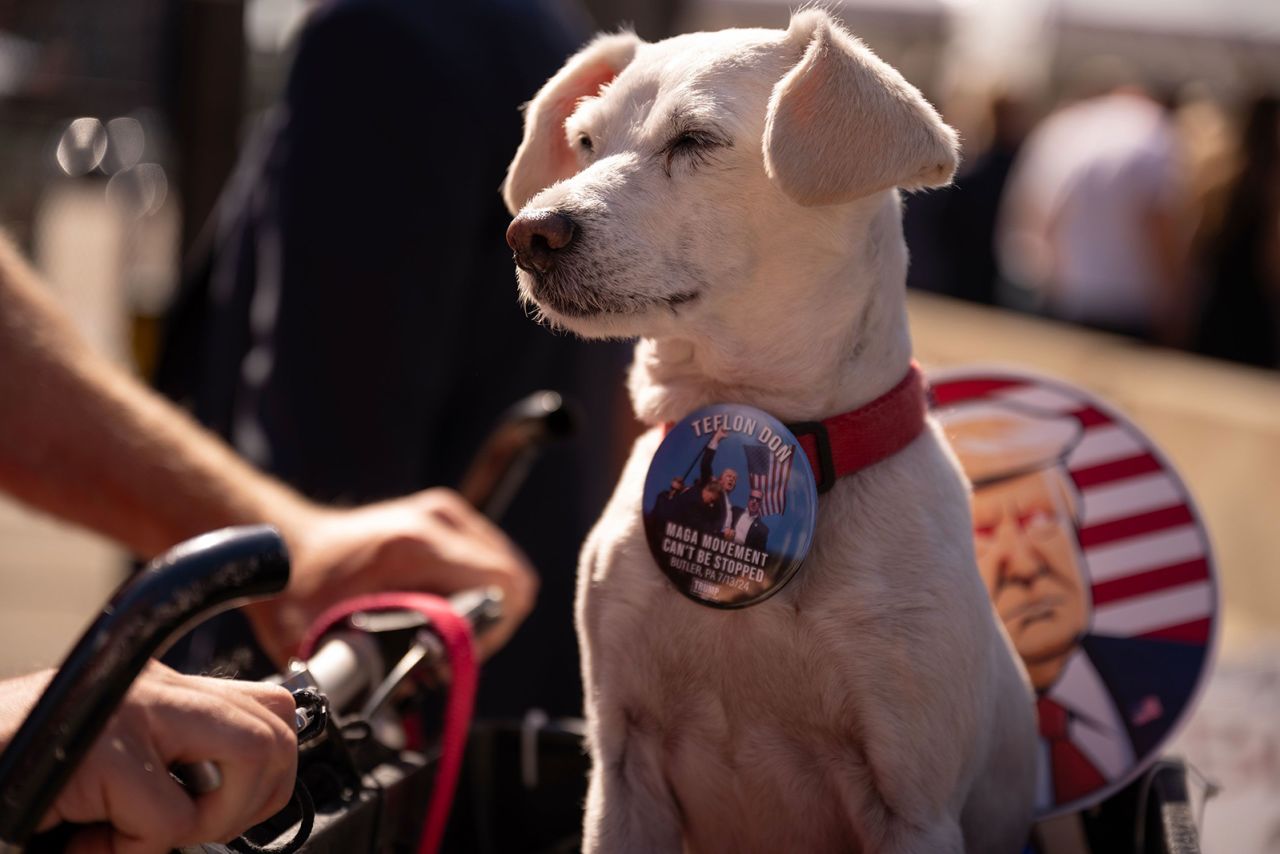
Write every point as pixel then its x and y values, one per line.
pixel 544 156
pixel 843 124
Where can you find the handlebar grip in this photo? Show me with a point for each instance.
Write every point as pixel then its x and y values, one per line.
pixel 187 584
pixel 507 454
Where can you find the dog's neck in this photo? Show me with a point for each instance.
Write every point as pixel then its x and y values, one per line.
pixel 799 354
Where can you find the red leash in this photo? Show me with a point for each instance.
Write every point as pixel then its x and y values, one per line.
pixel 455 634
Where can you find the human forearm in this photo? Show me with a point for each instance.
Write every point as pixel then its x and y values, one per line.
pixel 81 439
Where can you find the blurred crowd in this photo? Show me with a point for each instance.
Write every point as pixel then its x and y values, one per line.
pixel 1094 191
pixel 1146 213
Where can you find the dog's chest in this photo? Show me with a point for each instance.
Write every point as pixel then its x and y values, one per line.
pixel 746 707
pixel 826 700
pixel 702 670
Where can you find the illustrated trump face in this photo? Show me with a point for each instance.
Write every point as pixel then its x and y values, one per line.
pixel 1024 536
pixel 1025 512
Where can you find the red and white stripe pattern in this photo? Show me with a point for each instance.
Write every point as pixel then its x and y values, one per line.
pixel 1147 554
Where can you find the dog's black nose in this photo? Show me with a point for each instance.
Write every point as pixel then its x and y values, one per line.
pixel 538 237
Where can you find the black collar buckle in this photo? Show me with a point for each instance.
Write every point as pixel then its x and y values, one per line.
pixel 826 474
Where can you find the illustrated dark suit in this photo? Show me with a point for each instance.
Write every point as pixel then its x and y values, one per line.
pixel 1150 681
pixel 350 321
pixel 757 534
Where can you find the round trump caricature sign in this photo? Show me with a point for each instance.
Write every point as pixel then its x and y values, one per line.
pixel 1098 565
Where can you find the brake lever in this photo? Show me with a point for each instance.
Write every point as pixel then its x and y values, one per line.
pixel 425 649
pixel 504 460
pixel 481 607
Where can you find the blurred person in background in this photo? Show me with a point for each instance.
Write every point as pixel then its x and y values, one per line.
pixel 973 206
pixel 1094 218
pixel 350 321
pixel 952 230
pixel 1240 317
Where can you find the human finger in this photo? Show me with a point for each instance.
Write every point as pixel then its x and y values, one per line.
pixel 471 541
pixel 254 747
pixel 124 792
pixel 274 783
pixel 469 566
pixel 274 698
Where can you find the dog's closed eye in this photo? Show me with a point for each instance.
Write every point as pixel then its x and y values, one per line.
pixel 694 145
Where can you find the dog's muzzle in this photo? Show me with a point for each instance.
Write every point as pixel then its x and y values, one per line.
pixel 538 238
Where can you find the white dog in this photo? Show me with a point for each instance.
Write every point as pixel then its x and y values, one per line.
pixel 729 198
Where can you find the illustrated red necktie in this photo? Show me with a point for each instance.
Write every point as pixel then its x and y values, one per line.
pixel 1074 776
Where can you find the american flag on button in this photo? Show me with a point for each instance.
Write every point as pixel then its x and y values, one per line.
pixel 769 476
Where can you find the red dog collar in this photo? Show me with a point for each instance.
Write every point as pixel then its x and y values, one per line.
pixel 846 443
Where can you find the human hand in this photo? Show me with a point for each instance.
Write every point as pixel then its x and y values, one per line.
pixel 431 541
pixel 717 436
pixel 122 789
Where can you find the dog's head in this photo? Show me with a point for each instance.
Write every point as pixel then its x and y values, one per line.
pixel 654 178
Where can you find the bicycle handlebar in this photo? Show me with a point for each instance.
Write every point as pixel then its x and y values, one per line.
pixel 188 584
pixel 507 454
pixel 211 573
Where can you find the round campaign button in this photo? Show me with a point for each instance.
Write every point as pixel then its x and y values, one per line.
pixel 729 505
pixel 1099 567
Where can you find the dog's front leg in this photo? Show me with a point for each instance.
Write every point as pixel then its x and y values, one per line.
pixel 630 804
